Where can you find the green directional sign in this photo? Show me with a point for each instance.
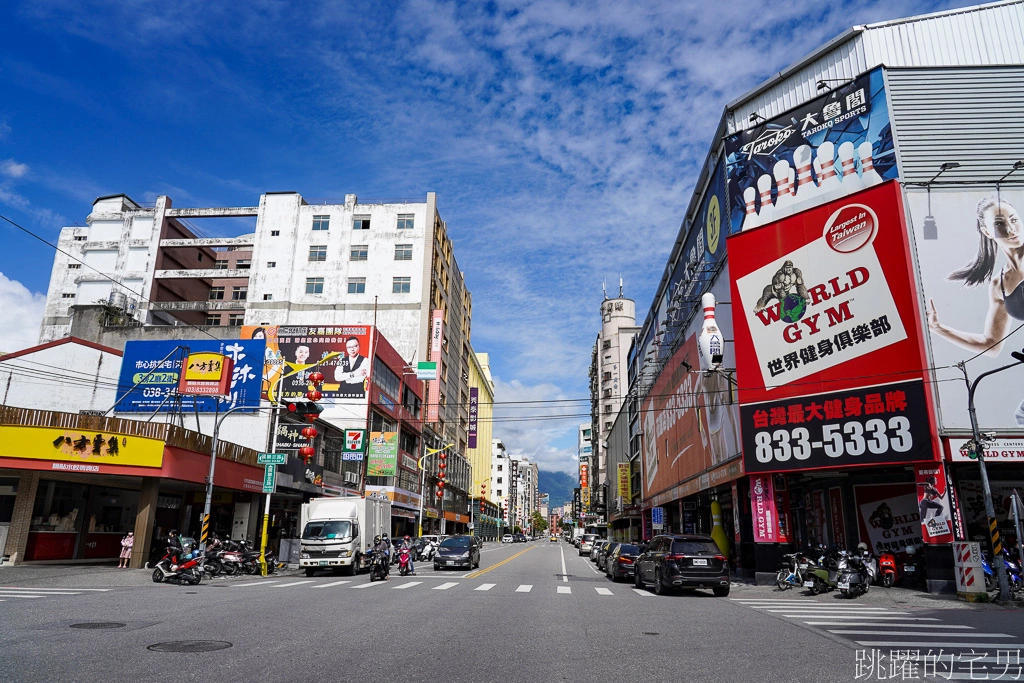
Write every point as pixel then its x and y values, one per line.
pixel 271 459
pixel 269 478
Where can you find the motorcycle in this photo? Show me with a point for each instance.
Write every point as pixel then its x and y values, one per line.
pixel 379 566
pixel 823 575
pixel 856 574
pixel 888 569
pixel 184 569
pixel 914 573
pixel 404 562
pixel 1013 573
pixel 425 552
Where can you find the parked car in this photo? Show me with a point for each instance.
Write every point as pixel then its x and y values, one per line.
pixel 604 553
pixel 519 538
pixel 620 561
pixel 586 543
pixel 679 561
pixel 595 552
pixel 507 538
pixel 458 551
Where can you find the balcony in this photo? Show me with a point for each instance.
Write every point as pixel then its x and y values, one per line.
pixel 203 273
pixel 204 305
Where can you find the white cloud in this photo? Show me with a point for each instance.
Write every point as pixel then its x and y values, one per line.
pixel 13 169
pixel 21 313
pixel 531 418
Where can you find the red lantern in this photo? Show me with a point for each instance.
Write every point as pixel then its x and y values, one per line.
pixel 314 395
pixel 309 432
pixel 440 493
pixel 307 452
pixel 316 378
pixel 444 456
pixel 440 484
pixel 442 465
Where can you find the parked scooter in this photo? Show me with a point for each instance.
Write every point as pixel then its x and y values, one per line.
pixel 856 573
pixel 1013 573
pixel 404 562
pixel 888 570
pixel 914 573
pixel 184 569
pixel 823 575
pixel 425 552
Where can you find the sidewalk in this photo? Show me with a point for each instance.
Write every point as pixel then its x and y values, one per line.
pixel 72 576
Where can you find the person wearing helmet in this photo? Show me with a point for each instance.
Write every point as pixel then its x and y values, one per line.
pixel 407 545
pixel 382 545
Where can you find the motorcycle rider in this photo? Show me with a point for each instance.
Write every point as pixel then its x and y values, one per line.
pixel 174 548
pixel 407 545
pixel 382 547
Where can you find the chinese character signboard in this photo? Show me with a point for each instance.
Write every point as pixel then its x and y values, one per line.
pixel 434 386
pixel 824 303
pixel 624 491
pixel 206 374
pixel 79 450
pixel 382 459
pixel 762 507
pixel 148 383
pixel 828 148
pixel 355 444
pixel 658 518
pixel 474 406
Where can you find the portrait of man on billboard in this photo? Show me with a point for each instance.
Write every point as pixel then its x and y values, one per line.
pixel 353 370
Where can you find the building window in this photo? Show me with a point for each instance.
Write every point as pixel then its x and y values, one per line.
pixel 499 467
pixel 361 223
pixel 268 297
pixel 243 264
pixel 607 425
pixel 403 252
pixel 239 293
pixel 80 238
pixel 401 285
pixel 360 252
pixel 220 265
pixel 607 407
pixel 271 264
pixel 356 285
pixel 236 319
pixel 499 493
pixel 607 393
pixel 606 376
pixel 74 266
pixel 216 293
pixel 318 252
pixel 606 344
pixel 275 233
pixel 406 221
pixel 213 319
pixel 499 480
pixel 66 295
pixel 314 285
pixel 385 378
pixel 321 222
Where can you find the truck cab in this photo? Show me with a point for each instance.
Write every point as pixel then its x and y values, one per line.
pixel 335 532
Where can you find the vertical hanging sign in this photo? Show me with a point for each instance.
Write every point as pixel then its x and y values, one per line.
pixel 434 388
pixel 474 405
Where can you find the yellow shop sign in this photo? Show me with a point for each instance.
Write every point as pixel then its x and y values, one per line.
pixel 80 446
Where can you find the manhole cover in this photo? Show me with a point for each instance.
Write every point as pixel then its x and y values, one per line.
pixel 99 624
pixel 190 646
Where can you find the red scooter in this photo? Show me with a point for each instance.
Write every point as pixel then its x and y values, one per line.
pixel 187 569
pixel 888 570
pixel 404 562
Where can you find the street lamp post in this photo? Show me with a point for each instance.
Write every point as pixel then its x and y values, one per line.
pixel 209 479
pixel 990 513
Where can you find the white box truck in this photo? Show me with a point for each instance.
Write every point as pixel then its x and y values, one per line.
pixel 336 532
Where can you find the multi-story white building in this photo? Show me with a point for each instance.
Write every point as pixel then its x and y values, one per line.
pixel 585 454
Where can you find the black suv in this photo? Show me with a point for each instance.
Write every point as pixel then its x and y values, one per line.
pixel 684 560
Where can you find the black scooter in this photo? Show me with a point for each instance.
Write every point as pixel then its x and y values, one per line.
pixel 379 568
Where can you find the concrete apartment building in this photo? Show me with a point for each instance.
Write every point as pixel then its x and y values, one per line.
pixel 479 457
pixel 389 264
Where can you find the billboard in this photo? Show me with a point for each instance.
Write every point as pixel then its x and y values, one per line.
pixel 382 456
pixel 834 145
pixel 157 379
pixel 690 422
pixel 434 386
pixel 968 245
pixel 623 478
pixel 474 408
pixel 82 446
pixel 888 517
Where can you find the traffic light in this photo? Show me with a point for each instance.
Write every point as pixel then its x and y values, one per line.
pixel 309 410
pixel 304 408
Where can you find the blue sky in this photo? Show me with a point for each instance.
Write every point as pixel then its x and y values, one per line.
pixel 562 138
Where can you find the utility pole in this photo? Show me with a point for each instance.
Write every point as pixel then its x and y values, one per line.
pixel 218 420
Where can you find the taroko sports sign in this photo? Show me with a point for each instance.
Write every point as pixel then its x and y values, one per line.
pixel 828 341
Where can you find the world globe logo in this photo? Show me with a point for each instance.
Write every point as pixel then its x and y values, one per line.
pixel 792 308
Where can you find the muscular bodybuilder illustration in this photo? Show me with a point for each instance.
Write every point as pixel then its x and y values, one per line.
pixel 786 278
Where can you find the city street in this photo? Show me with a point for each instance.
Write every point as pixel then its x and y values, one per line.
pixel 534 611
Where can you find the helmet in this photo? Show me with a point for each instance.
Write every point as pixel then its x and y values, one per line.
pixel 376 539
pixel 407 537
pixel 862 547
pixel 384 536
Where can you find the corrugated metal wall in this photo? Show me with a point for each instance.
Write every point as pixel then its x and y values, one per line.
pixel 972 116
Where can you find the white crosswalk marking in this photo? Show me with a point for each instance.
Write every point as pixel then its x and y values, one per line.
pixel 254 583
pixel 603 591
pixel 933 644
pixel 21 595
pixel 445 586
pixel 485 586
pixel 406 585
pixel 43 590
pixel 525 588
pixel 564 589
pixel 371 584
pixel 293 583
pixel 332 583
pixel 856 632
pixel 909 624
pixel 642 592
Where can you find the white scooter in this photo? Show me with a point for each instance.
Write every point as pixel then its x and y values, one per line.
pixel 426 554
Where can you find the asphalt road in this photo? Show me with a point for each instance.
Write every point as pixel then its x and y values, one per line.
pixel 532 612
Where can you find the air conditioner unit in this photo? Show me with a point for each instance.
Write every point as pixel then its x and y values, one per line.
pixel 351 478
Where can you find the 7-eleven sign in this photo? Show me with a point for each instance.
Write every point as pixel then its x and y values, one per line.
pixel 355 444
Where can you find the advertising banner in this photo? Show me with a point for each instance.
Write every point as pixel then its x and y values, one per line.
pixel 355 444
pixel 206 374
pixel 889 519
pixel 823 150
pixel 689 422
pixel 624 488
pixel 584 477
pixel 157 389
pixel 968 253
pixel 474 407
pixel 341 352
pixel 434 386
pixel 933 503
pixel 382 458
pixel 1000 450
pixel 762 507
pixel 80 446
pixel 835 507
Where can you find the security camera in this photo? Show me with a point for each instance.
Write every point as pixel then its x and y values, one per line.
pixel 988 436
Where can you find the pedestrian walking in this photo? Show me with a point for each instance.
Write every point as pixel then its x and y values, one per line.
pixel 127 543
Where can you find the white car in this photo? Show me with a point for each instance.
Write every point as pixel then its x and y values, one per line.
pixel 507 538
pixel 587 544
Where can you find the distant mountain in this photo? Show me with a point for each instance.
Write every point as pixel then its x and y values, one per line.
pixel 558 485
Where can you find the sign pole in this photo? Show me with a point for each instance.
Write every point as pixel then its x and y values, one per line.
pixel 266 504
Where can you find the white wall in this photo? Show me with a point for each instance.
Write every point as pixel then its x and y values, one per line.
pixel 67 378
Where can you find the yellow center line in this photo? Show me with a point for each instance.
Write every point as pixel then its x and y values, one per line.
pixel 481 572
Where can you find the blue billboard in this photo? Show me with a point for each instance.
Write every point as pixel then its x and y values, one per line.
pixel 148 383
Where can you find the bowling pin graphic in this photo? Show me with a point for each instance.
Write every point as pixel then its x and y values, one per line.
pixel 806 190
pixel 851 181
pixel 868 174
pixel 784 200
pixel 750 220
pixel 710 344
pixel 829 185
pixel 764 187
pixel 717 530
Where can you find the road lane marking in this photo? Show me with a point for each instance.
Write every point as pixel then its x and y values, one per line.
pixel 47 592
pixel 42 590
pixel 445 586
pixel 332 583
pixel 902 623
pixel 926 643
pixel 481 572
pixel 525 588
pixel 371 584
pixel 642 592
pixel 565 589
pixel 856 632
pixel 406 585
pixel 254 583
pixel 826 615
pixel 485 586
pixel 293 583
pixel 565 574
pixel 590 565
pixel 21 595
pixel 603 591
